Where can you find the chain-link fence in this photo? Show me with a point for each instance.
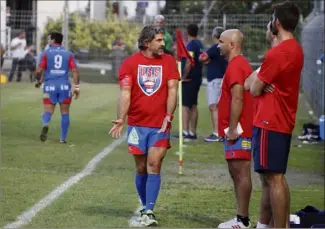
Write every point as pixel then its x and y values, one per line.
pixel 101 45
pixel 312 39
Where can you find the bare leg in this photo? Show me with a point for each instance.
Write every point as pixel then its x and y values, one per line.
pixel 240 171
pixel 279 198
pixel 194 118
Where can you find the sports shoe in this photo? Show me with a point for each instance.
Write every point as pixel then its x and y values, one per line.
pixel 233 223
pixel 148 219
pixel 43 135
pixel 140 213
pixel 190 137
pixel 63 141
pixel 213 138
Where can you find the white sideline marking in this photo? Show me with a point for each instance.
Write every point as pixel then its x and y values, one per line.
pixel 27 215
pixel 133 221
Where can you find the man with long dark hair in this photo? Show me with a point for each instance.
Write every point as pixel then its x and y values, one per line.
pixel 148 96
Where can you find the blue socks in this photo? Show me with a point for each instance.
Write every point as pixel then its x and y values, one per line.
pixel 152 190
pixel 140 183
pixel 65 123
pixel 46 118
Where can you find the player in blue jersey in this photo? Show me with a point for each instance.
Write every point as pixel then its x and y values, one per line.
pixel 56 62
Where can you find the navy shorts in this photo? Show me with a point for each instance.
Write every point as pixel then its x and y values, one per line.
pixel 190 93
pixel 140 139
pixel 270 150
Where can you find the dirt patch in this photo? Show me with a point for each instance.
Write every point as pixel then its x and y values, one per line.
pixel 202 175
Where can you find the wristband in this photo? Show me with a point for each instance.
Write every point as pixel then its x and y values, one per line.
pixel 171 116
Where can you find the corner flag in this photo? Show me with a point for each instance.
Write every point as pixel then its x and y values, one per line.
pixel 181 53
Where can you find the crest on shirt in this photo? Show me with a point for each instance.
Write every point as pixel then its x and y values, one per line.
pixel 149 78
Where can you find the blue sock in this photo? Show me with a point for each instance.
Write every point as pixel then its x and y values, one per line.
pixel 152 190
pixel 140 183
pixel 65 123
pixel 46 118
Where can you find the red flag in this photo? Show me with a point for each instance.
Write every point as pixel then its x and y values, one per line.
pixel 181 49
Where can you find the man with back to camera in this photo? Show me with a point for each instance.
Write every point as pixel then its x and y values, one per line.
pixel 56 62
pixel 216 67
pixel 236 113
pixel 191 83
pixel 148 96
pixel 275 116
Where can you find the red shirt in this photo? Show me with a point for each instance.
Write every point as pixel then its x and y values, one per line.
pixel 281 67
pixel 237 72
pixel 148 79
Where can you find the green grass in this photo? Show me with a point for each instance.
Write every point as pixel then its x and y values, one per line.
pixel 202 197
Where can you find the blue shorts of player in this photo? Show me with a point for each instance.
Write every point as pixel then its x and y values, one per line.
pixel 140 139
pixel 238 149
pixel 270 150
pixel 57 92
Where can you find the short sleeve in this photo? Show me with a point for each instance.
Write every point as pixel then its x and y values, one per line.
pixel 125 74
pixel 173 70
pixel 191 48
pixel 212 52
pixel 270 67
pixel 235 75
pixel 72 62
pixel 43 61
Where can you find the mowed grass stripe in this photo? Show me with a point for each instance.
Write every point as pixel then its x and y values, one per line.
pixel 21 148
pixel 202 197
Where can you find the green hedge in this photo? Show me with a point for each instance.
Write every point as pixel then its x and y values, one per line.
pixel 94 35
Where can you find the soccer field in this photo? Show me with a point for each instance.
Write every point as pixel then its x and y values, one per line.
pixel 201 198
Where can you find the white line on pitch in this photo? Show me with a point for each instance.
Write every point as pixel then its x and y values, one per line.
pixel 27 215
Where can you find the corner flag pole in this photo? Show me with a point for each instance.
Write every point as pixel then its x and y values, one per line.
pixel 181 53
pixel 180 121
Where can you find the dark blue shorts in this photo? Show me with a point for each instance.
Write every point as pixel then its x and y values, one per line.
pixel 270 150
pixel 140 139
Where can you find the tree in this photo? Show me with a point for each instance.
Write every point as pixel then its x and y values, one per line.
pixel 92 35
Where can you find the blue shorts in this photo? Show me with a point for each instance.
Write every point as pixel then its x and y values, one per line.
pixel 270 150
pixel 57 92
pixel 238 149
pixel 140 139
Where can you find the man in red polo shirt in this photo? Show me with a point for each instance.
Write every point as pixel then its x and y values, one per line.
pixel 235 123
pixel 275 116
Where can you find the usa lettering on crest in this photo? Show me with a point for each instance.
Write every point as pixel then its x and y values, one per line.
pixel 149 78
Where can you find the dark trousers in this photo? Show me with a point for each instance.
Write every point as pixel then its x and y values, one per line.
pixel 16 62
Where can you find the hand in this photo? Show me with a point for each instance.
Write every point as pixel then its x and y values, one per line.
pixel 76 91
pixel 232 135
pixel 166 124
pixel 38 84
pixel 186 80
pixel 117 128
pixel 269 88
pixel 203 57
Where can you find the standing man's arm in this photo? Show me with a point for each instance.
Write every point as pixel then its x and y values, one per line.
pixel 270 69
pixel 236 82
pixel 172 96
pixel 124 100
pixel 187 68
pixel 41 67
pixel 237 101
pixel 250 79
pixel 75 75
pixel 172 84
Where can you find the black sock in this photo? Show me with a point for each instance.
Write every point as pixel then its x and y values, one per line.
pixel 243 219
